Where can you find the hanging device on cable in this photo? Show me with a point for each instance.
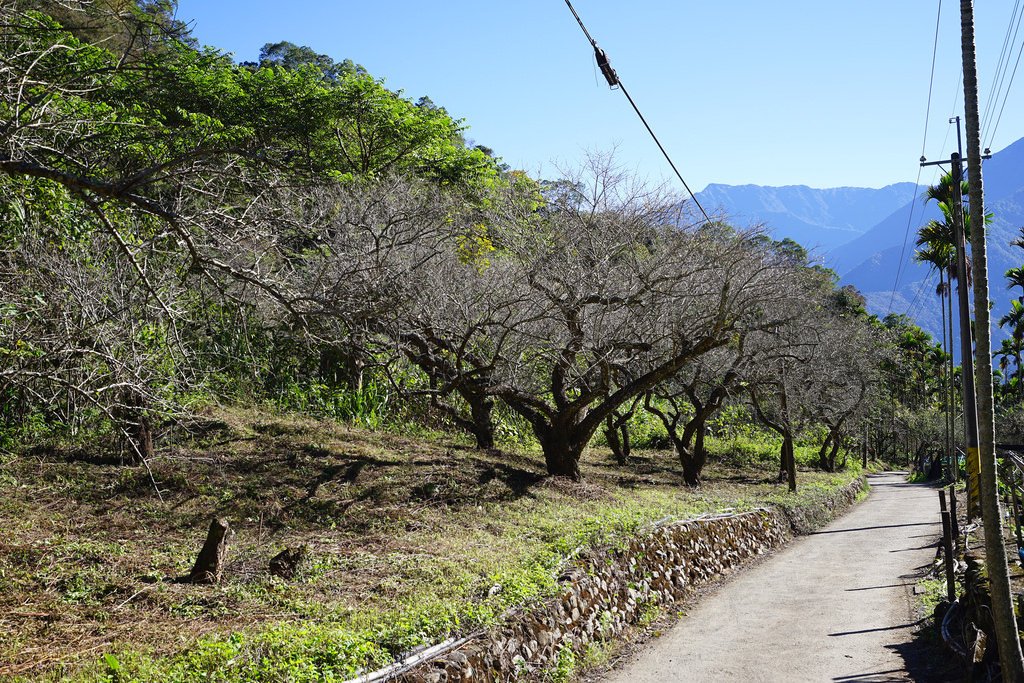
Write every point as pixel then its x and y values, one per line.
pixel 606 68
pixel 614 83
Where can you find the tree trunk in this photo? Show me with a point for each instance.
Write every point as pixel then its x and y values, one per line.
pixel 135 424
pixel 616 432
pixel 562 451
pixel 823 454
pixel 611 433
pixel 479 423
pixel 142 434
pixel 829 451
pixel 834 454
pixel 693 460
pixel 209 564
pixel 482 427
pixel 1010 656
pixel 789 459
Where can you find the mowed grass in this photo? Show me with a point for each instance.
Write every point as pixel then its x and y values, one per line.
pixel 411 539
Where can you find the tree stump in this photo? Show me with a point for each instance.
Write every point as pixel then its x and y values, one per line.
pixel 287 562
pixel 209 564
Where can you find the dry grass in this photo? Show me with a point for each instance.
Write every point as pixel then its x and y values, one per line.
pixel 89 552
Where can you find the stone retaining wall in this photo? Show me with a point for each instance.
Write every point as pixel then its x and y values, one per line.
pixel 605 592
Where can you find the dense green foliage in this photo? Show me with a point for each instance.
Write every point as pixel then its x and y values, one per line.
pixel 181 229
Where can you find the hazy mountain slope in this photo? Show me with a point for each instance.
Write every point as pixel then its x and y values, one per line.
pixel 891 232
pixel 817 218
pixel 870 262
pixel 862 233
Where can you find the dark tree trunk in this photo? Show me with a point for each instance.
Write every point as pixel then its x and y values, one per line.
pixel 479 422
pixel 135 424
pixel 482 423
pixel 834 455
pixel 616 431
pixel 787 456
pixel 823 453
pixel 619 449
pixel 788 453
pixel 142 434
pixel 562 451
pixel 829 451
pixel 693 459
pixel 783 462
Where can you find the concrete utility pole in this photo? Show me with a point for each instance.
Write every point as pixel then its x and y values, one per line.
pixel 966 347
pixel 1011 659
pixel 970 395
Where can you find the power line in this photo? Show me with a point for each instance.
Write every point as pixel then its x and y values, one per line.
pixel 906 235
pixel 999 70
pixel 1006 96
pixel 613 81
pixel 913 303
pixel 931 79
pixel 924 142
pixel 1005 54
pixel 935 179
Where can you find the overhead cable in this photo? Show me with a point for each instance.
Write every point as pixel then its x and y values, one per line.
pixel 924 142
pixel 1002 64
pixel 604 64
pixel 1006 95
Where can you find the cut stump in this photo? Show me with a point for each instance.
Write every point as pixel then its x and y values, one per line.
pixel 209 564
pixel 287 562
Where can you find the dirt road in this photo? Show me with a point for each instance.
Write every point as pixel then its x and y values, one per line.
pixel 833 606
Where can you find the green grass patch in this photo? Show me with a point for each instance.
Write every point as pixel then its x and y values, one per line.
pixel 411 540
pixel 931 593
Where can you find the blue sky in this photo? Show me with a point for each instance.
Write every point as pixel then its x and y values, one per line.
pixel 805 92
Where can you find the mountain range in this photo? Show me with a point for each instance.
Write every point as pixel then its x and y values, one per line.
pixel 867 235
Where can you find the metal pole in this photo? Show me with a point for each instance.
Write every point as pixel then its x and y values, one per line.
pixel 1014 482
pixel 947 547
pixel 950 389
pixel 954 523
pixel 947 345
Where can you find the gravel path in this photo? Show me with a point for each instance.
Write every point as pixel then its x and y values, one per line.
pixel 832 606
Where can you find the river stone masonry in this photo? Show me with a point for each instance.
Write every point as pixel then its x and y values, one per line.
pixel 606 591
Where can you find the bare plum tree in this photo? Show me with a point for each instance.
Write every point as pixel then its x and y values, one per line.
pixel 622 298
pixel 843 371
pixel 685 402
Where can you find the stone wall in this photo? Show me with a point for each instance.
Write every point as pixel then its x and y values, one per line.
pixel 806 518
pixel 604 592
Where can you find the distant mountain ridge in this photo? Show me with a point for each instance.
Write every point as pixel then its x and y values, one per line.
pixel 867 235
pixel 871 262
pixel 820 219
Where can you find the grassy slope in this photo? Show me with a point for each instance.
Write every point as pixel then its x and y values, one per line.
pixel 411 539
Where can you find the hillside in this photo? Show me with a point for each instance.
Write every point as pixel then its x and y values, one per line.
pixel 871 261
pixel 817 218
pixel 406 540
pixel 862 234
pixel 395 384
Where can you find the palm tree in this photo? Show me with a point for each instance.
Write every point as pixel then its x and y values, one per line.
pixel 940 255
pixel 1007 637
pixel 1015 276
pixel 937 246
pixel 939 235
pixel 1019 242
pixel 1015 320
pixel 1011 348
